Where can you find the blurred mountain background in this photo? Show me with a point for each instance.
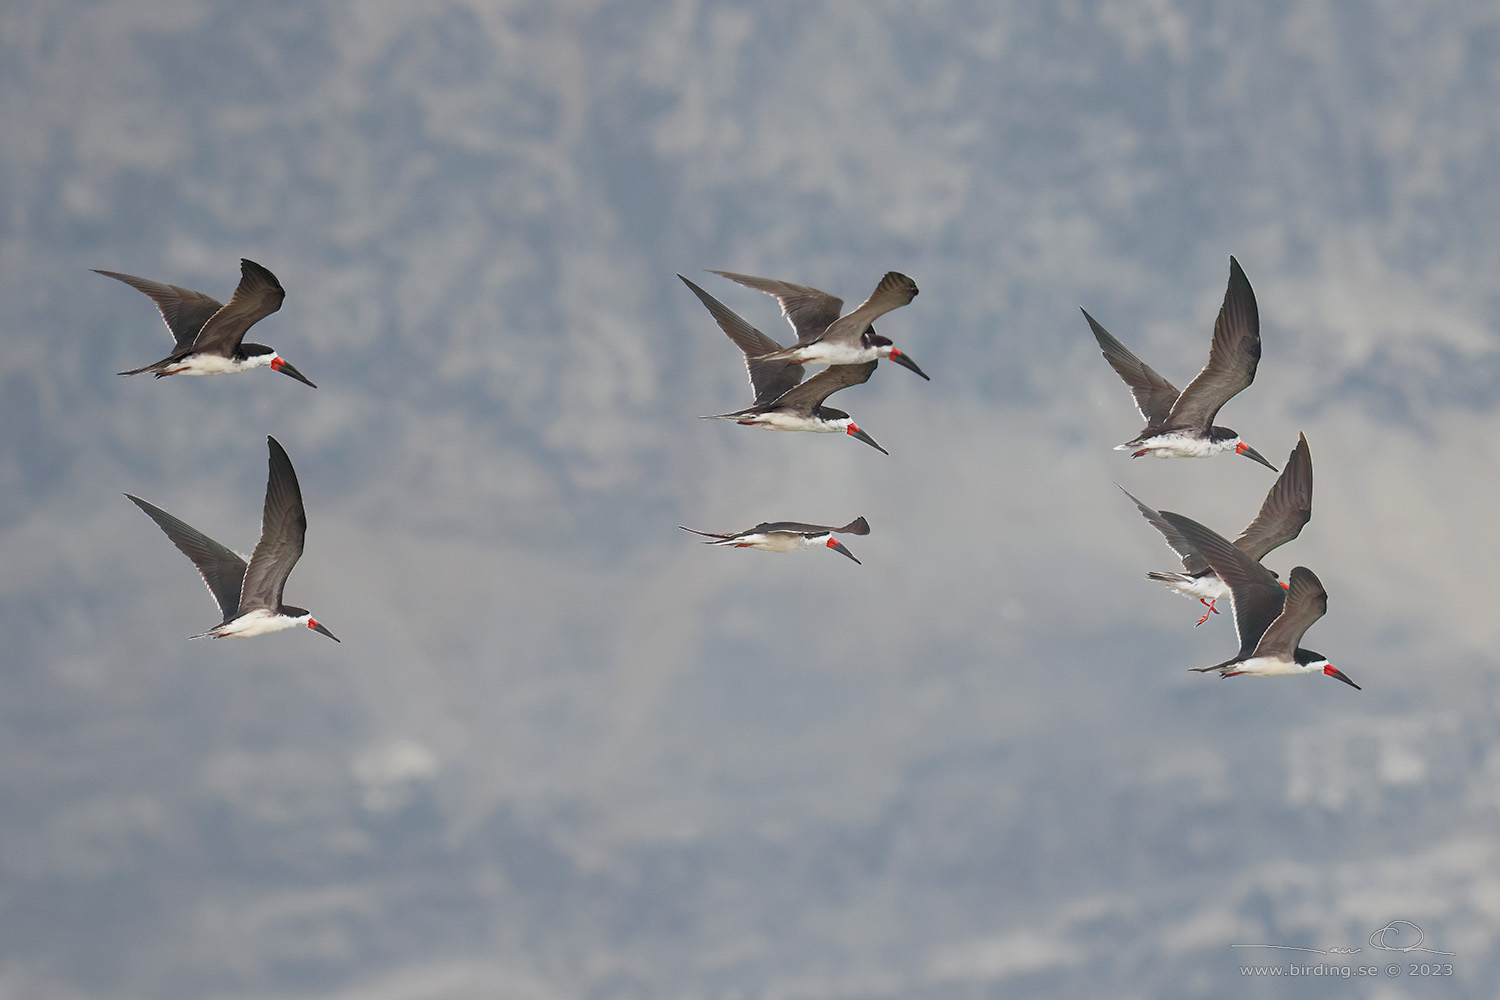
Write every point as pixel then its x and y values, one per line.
pixel 565 751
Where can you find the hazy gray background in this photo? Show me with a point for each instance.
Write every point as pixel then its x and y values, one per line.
pixel 564 750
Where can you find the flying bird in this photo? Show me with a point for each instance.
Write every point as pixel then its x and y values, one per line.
pixel 783 402
pixel 1286 509
pixel 826 338
pixel 1181 425
pixel 250 596
pixel 209 335
pixel 1270 621
pixel 787 536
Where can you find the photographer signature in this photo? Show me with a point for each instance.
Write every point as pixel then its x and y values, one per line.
pixel 1398 935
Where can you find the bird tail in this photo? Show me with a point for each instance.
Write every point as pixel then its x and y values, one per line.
pixel 156 367
pixel 1223 668
pixel 1165 577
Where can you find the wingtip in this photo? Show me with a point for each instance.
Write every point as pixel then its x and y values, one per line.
pixel 277 451
pixel 1238 280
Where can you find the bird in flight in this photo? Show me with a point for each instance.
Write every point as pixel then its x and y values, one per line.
pixel 783 402
pixel 787 536
pixel 210 335
pixel 1286 509
pixel 1181 425
pixel 249 595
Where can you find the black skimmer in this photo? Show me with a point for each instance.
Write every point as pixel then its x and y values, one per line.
pixel 1270 621
pixel 1180 425
pixel 1286 509
pixel 783 402
pixel 826 338
pixel 208 333
pixel 787 536
pixel 250 596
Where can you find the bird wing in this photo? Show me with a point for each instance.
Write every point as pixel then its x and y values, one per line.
pixel 894 291
pixel 184 310
pixel 768 379
pixel 1192 561
pixel 710 534
pixel 259 295
pixel 1231 360
pixel 808 310
pixel 222 570
pixel 810 394
pixel 1287 507
pixel 855 526
pixel 1153 394
pixel 1253 591
pixel 1306 602
pixel 282 530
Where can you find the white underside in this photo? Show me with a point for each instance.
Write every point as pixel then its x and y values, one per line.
pixel 779 421
pixel 775 541
pixel 253 623
pixel 1201 588
pixel 1178 446
pixel 213 364
pixel 836 354
pixel 1272 666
